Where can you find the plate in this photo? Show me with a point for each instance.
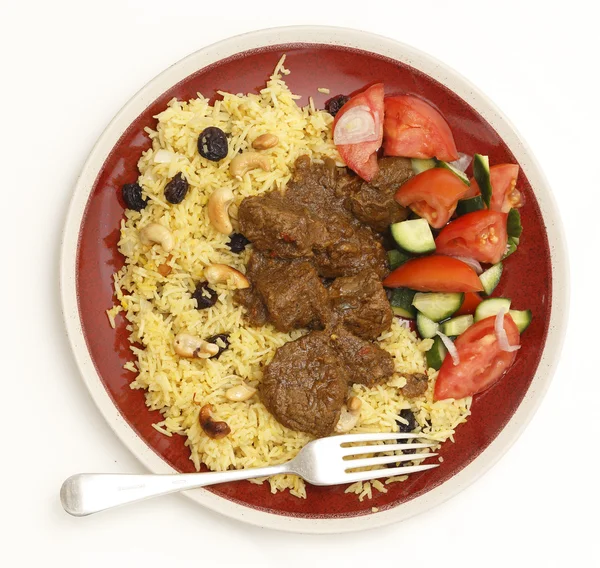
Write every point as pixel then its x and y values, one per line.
pixel 342 60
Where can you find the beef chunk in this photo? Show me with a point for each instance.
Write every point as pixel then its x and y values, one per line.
pixel 364 362
pixel 416 385
pixel 275 225
pixel 288 294
pixel 304 386
pixel 361 304
pixel 373 203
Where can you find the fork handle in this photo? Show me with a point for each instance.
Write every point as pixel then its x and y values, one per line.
pixel 87 493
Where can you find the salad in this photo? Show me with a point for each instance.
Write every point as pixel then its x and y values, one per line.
pixel 449 254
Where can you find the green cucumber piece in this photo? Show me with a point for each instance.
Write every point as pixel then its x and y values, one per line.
pixel 469 205
pixel 401 302
pixel 413 236
pixel 481 173
pixel 511 246
pixel 438 306
pixel 491 307
pixel 521 317
pixel 396 258
pixel 457 325
pixel 427 328
pixel 461 175
pixel 513 224
pixel 419 166
pixel 435 356
pixel 491 277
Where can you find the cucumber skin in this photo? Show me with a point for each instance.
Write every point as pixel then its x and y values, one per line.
pixel 469 205
pixel 401 302
pixel 481 173
pixel 435 356
pixel 513 224
pixel 396 258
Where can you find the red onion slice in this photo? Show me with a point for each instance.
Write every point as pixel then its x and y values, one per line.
pixel 474 264
pixel 501 333
pixel 357 125
pixel 463 162
pixel 450 347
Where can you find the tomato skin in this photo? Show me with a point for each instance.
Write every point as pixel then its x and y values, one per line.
pixel 482 362
pixel 362 157
pixel 469 305
pixel 433 194
pixel 434 273
pixel 414 129
pixel 503 178
pixel 480 235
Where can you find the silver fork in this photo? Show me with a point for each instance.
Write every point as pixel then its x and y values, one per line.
pixel 326 461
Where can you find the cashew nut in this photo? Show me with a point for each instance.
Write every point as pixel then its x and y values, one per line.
pixel 155 233
pixel 348 420
pixel 240 393
pixel 215 430
pixel 354 403
pixel 190 346
pixel 222 273
pixel 243 163
pixel 265 141
pixel 218 210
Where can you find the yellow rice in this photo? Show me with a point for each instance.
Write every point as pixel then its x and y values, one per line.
pixel 156 308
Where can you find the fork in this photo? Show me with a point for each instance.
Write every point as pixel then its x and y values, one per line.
pixel 325 461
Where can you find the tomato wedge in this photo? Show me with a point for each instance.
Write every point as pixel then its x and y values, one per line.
pixel 435 273
pixel 482 362
pixel 480 235
pixel 505 196
pixel 362 157
pixel 470 303
pixel 414 129
pixel 433 194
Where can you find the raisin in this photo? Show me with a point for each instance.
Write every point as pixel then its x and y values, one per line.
pixel 212 144
pixel 132 196
pixel 333 105
pixel 237 242
pixel 176 189
pixel 408 415
pixel 203 300
pixel 224 337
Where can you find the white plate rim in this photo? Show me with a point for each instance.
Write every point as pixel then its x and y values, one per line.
pixel 462 87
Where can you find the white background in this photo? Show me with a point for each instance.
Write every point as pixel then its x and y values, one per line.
pixel 67 67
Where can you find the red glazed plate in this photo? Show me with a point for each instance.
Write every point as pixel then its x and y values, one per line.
pixel 342 60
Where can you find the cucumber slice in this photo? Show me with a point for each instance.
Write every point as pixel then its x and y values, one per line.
pixel 491 307
pixel 435 356
pixel 511 246
pixel 481 173
pixel 396 258
pixel 521 317
pixel 413 236
pixel 513 224
pixel 461 175
pixel 469 205
pixel 457 325
pixel 427 328
pixel 420 166
pixel 401 302
pixel 491 277
pixel 438 305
